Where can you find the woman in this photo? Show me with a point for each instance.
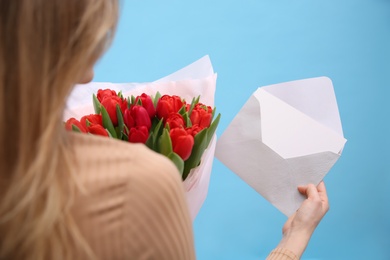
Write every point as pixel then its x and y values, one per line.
pixel 72 196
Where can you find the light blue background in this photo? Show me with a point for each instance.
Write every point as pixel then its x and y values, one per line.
pixel 254 43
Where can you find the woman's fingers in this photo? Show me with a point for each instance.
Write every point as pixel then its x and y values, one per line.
pixel 302 189
pixel 323 195
pixel 322 190
pixel 316 193
pixel 312 192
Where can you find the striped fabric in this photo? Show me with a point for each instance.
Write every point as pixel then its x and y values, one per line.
pixel 282 254
pixel 134 204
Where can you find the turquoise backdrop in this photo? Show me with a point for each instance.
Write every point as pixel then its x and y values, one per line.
pixel 254 43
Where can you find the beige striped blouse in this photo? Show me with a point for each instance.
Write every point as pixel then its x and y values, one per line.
pixel 134 206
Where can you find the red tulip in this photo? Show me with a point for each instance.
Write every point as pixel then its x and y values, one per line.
pixel 75 122
pixel 93 119
pixel 138 134
pixel 137 116
pixel 182 142
pixel 109 103
pixel 103 93
pixel 194 130
pixel 167 105
pixel 97 130
pixel 147 103
pixel 201 115
pixel 128 119
pixel 175 120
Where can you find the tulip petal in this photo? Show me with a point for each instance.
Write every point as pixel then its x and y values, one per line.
pixel 107 123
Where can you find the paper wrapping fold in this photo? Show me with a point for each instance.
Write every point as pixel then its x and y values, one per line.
pixel 283 137
pixel 196 79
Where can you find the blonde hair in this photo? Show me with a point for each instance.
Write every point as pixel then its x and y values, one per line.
pixel 45 47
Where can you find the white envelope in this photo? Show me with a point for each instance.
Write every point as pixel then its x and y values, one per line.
pixel 191 81
pixel 286 135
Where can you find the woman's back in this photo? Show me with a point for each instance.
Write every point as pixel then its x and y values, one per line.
pixel 134 204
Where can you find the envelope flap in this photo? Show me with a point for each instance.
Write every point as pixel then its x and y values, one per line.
pixel 246 125
pixel 314 97
pixel 291 133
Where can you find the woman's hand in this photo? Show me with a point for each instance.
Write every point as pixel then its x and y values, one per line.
pixel 300 226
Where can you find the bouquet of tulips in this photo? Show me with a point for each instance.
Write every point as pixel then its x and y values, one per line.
pixel 166 124
pixel 180 92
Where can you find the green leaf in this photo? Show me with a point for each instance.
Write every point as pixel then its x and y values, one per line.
pixel 120 94
pixel 193 103
pixel 76 129
pixel 149 142
pixel 197 100
pixel 156 98
pixel 213 113
pixel 132 99
pixel 153 139
pixel 165 143
pixel 107 123
pixel 128 102
pixel 200 145
pixel 117 132
pixel 96 104
pixel 178 161
pixel 187 120
pixel 125 137
pixel 155 122
pixel 87 123
pixel 156 131
pixel 182 110
pixel 120 121
pixel 211 129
